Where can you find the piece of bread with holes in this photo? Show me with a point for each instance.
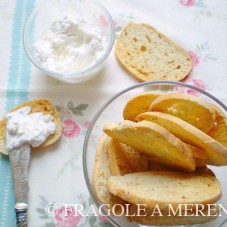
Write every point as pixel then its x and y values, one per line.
pixel 161 188
pixel 124 159
pixel 41 105
pixel 219 131
pixel 194 110
pixel 101 173
pixel 138 104
pixel 146 54
pixel 215 152
pixel 153 140
pixel 170 217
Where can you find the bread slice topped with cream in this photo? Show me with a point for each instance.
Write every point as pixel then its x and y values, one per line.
pixel 146 54
pixel 43 106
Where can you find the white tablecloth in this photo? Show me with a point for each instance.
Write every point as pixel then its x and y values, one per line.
pixel 55 174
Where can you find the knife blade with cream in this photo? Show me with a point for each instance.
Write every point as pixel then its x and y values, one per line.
pixel 23 131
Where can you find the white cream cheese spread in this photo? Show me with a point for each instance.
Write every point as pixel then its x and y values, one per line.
pixel 71 44
pixel 30 129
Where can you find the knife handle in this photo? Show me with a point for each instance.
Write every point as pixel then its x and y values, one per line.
pixel 21 214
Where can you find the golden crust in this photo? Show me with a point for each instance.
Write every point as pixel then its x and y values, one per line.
pixel 153 140
pixel 191 109
pixel 101 173
pixel 124 159
pixel 215 152
pixel 219 131
pixel 138 105
pixel 166 187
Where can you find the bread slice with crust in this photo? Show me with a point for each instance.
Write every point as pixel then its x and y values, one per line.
pixel 101 173
pixel 219 131
pixel 41 105
pixel 199 155
pixel 215 152
pixel 153 140
pixel 124 159
pixel 189 108
pixel 160 188
pixel 138 105
pixel 146 54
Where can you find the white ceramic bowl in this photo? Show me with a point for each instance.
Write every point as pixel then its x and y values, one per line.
pixel 112 112
pixel 43 16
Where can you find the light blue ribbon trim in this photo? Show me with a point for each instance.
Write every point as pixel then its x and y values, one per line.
pixel 17 92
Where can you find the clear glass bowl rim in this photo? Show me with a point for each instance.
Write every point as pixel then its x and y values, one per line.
pixel 81 73
pixel 108 102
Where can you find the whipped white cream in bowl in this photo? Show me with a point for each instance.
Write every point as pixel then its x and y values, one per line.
pixel 69 40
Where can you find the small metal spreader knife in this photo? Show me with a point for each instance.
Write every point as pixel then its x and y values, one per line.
pixel 19 159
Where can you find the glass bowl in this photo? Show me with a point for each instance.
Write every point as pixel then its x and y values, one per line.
pixel 94 15
pixel 112 111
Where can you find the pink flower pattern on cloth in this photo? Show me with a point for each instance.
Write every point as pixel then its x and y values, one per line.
pixel 187 3
pixel 70 128
pixel 195 82
pixel 104 22
pixel 194 57
pixel 103 219
pixel 86 124
pixel 66 217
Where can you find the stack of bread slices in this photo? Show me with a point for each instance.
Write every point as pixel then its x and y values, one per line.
pixel 157 158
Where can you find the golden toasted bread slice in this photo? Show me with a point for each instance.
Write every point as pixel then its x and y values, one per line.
pixel 101 173
pixel 215 152
pixel 187 107
pixel 166 187
pixel 153 140
pixel 41 105
pixel 169 217
pixel 219 131
pixel 199 155
pixel 124 159
pixel 138 105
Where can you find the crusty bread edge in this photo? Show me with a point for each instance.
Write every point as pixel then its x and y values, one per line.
pixel 136 199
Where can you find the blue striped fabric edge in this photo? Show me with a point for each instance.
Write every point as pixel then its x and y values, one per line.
pixel 17 92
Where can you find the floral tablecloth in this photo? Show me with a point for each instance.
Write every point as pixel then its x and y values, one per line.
pixel 55 174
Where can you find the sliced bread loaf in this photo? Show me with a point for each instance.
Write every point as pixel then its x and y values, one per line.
pixel 147 54
pixel 189 108
pixel 166 187
pixel 153 140
pixel 42 105
pixel 215 152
